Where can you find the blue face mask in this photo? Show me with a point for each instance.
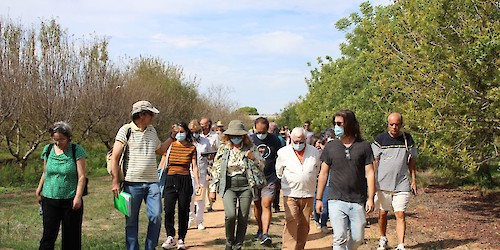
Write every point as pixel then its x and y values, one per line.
pixel 299 146
pixel 196 135
pixel 180 136
pixel 262 136
pixel 236 140
pixel 339 131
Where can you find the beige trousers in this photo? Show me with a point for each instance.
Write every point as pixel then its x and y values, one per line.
pixel 297 217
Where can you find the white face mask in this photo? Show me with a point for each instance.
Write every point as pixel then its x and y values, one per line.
pixel 262 136
pixel 180 136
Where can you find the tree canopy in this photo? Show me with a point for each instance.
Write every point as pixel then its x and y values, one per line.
pixel 436 62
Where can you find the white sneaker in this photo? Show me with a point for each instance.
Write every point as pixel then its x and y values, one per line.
pixel 383 244
pixel 180 244
pixel 401 247
pixel 201 227
pixel 169 243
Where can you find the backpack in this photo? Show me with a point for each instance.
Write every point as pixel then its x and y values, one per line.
pixel 73 149
pixel 121 163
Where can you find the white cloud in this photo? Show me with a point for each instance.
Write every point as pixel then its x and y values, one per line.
pixel 164 40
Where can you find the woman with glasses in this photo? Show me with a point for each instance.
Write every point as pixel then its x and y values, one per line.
pixel 230 180
pixel 181 159
pixel 60 189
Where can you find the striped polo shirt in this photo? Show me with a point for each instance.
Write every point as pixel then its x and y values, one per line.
pixel 141 157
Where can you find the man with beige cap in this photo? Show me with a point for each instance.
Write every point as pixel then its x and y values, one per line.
pixel 141 178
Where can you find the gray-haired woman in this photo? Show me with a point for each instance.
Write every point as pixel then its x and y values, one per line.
pixel 61 188
pixel 229 178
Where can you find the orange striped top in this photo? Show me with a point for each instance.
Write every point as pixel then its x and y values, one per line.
pixel 180 158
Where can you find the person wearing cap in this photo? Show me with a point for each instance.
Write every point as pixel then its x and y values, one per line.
pixel 230 180
pixel 141 177
pixel 220 128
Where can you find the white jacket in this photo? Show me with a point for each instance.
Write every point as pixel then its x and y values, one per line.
pixel 298 180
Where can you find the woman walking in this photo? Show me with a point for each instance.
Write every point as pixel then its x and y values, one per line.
pixel 230 180
pixel 60 189
pixel 178 186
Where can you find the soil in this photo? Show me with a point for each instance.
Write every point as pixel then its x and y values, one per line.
pixel 437 218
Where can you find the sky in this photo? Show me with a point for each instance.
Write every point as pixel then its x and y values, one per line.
pixel 259 50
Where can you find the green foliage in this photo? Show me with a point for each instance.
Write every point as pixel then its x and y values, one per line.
pixel 437 63
pixel 289 117
pixel 248 110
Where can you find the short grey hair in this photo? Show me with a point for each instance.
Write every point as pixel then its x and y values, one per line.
pixel 297 132
pixel 61 127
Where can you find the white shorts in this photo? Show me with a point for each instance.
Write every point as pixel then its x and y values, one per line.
pixel 388 201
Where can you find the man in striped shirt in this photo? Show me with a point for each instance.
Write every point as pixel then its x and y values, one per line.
pixel 141 178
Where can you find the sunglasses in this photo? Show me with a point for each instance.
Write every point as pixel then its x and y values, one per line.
pixel 338 123
pixel 347 154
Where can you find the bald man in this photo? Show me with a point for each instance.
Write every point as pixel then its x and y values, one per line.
pixel 394 153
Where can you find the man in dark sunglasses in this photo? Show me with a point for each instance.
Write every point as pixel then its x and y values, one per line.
pixel 348 160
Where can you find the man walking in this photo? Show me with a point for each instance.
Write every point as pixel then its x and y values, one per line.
pixel 214 139
pixel 309 132
pixel 394 156
pixel 141 178
pixel 297 166
pixel 348 160
pixel 268 145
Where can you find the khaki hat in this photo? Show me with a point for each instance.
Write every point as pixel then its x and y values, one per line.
pixel 143 106
pixel 235 127
pixel 220 124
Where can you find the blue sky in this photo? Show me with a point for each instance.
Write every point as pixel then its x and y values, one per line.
pixel 259 49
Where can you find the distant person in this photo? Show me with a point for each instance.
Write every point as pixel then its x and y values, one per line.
pixel 268 146
pixel 141 178
pixel 274 129
pixel 395 154
pixel 348 161
pixel 309 132
pixel 181 161
pixel 214 138
pixel 230 180
pixel 297 166
pixel 322 219
pixel 220 128
pixel 285 134
pixel 61 188
pixel 197 207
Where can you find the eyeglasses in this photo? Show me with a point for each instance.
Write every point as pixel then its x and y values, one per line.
pixel 347 154
pixel 338 123
pixel 298 142
pixel 395 124
pixel 60 140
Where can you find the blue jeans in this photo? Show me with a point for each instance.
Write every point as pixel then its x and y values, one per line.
pixel 345 215
pixel 323 217
pixel 150 193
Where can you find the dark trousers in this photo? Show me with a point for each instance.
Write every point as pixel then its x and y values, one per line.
pixel 55 212
pixel 178 188
pixel 237 193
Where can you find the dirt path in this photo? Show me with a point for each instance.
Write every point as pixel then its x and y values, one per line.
pixel 438 218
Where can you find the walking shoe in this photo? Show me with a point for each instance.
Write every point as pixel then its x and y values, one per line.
pixel 201 227
pixel 266 240
pixel 180 244
pixel 383 243
pixel 325 230
pixel 258 235
pixel 209 209
pixel 401 247
pixel 169 243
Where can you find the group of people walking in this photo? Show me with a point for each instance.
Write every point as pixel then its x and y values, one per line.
pixel 346 177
